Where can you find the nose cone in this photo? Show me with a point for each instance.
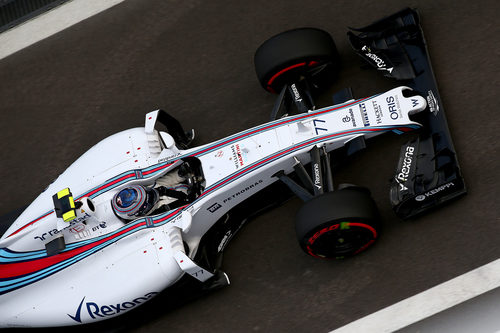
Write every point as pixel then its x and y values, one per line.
pixel 415 104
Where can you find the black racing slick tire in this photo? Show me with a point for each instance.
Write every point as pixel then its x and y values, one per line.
pixel 286 57
pixel 338 224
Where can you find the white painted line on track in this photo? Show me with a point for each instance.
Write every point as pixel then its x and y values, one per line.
pixel 50 23
pixel 429 302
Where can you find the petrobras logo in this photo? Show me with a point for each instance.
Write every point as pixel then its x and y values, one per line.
pixel 213 208
pixel 95 311
pixel 243 190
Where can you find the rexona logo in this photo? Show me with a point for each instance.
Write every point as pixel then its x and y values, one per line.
pixel 402 176
pixel 317 176
pixel 96 311
pixel 296 93
pixel 381 65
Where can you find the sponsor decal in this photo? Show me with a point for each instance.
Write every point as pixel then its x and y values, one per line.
pixel 378 112
pixel 362 109
pixel 420 197
pixel 381 65
pixel 77 228
pixel 414 102
pixel 435 191
pixel 214 207
pixel 237 156
pixel 219 154
pixel 45 234
pixel 83 234
pixel 296 94
pixel 243 190
pixel 80 219
pixel 95 311
pixel 54 232
pixel 317 176
pixel 319 233
pixel 101 225
pixel 402 176
pixel 349 118
pixel 170 157
pixel 391 105
pixel 432 103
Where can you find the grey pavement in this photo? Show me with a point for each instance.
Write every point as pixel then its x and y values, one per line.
pixel 194 59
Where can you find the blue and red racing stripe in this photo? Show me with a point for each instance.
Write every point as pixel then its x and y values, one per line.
pixel 152 170
pixel 18 269
pixel 109 185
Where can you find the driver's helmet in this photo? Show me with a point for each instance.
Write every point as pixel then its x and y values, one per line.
pixel 134 201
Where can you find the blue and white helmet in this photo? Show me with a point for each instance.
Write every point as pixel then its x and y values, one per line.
pixel 133 201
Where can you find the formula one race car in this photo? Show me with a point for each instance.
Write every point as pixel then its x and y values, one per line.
pixel 143 205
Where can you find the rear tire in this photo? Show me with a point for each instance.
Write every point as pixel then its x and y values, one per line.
pixel 286 57
pixel 338 224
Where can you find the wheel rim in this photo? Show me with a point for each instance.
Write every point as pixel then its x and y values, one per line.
pixel 340 240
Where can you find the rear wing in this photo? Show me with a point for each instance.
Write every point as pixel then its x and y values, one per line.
pixel 428 173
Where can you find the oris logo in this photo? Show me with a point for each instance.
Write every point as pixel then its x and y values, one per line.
pixel 391 104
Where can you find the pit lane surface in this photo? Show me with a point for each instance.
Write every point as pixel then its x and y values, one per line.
pixel 195 60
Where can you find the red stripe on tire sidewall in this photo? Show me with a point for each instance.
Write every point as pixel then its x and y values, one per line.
pixel 366 226
pixel 317 234
pixel 271 80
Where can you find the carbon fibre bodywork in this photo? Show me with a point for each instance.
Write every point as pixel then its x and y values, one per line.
pixel 428 173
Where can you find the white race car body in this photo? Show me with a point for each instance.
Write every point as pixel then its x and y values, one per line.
pixel 108 266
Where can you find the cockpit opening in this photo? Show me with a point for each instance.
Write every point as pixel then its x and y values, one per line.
pixel 175 189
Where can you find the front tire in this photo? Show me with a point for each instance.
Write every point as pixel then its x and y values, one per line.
pixel 338 224
pixel 286 57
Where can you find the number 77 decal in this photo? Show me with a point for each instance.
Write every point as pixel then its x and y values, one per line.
pixel 316 127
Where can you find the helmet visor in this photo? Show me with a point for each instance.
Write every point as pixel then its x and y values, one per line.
pixel 126 197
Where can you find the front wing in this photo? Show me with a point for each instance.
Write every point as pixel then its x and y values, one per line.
pixel 428 173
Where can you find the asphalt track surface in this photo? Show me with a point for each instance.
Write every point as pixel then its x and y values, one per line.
pixel 195 59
